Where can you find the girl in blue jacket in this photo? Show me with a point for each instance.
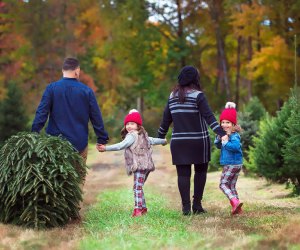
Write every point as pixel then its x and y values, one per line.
pixel 231 155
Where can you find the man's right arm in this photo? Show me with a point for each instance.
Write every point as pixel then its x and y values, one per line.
pixel 42 111
pixel 96 119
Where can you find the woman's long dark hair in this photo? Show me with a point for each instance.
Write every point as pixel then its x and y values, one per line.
pixel 181 91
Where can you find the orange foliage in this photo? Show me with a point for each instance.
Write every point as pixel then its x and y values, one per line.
pixel 88 80
pixel 90 29
pixel 247 19
pixel 11 49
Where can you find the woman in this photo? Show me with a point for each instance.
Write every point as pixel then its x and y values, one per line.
pixel 190 113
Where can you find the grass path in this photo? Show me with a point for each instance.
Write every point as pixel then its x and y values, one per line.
pixel 271 219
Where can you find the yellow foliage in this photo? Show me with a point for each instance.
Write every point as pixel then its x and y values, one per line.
pixel 99 63
pixel 247 20
pixel 90 28
pixel 273 64
pixel 108 102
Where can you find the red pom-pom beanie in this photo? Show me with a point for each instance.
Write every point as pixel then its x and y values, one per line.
pixel 229 113
pixel 133 116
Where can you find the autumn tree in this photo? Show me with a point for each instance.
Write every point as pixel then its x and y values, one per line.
pixel 217 13
pixel 247 20
pixel 131 51
pixel 13 49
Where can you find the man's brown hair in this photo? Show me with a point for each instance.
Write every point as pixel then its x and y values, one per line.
pixel 70 64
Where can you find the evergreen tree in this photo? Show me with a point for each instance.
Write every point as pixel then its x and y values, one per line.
pixel 266 155
pixel 249 130
pixel 255 109
pixel 13 118
pixel 291 149
pixel 40 181
pixel 280 134
pixel 249 119
pixel 258 151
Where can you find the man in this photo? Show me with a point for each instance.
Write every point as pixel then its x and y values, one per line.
pixel 70 105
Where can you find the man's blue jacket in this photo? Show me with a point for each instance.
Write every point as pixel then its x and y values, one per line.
pixel 70 105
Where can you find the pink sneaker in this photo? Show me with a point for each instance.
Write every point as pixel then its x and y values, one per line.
pixel 236 205
pixel 137 212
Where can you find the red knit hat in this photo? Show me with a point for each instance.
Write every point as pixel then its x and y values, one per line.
pixel 133 116
pixel 229 113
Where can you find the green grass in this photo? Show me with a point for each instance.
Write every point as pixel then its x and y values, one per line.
pixel 110 226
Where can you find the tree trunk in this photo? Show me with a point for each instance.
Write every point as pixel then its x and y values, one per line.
pixel 216 13
pixel 238 70
pixel 250 53
pixel 258 47
pixel 140 104
pixel 180 35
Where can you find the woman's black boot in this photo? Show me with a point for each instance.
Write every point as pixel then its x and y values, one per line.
pixel 197 206
pixel 199 184
pixel 184 183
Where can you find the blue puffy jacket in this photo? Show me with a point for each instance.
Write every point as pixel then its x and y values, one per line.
pixel 231 151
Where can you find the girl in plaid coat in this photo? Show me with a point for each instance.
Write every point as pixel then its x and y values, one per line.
pixel 231 156
pixel 138 156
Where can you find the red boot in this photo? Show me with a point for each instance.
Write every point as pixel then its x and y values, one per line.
pixel 137 212
pixel 144 210
pixel 236 205
pixel 239 210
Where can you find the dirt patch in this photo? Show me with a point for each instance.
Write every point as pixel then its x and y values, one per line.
pixel 289 234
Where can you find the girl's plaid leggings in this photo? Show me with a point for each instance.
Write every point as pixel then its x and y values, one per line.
pixel 140 178
pixel 228 180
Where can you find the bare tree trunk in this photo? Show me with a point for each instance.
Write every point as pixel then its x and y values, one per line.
pixel 140 104
pixel 216 12
pixel 258 47
pixel 250 53
pixel 180 34
pixel 111 80
pixel 238 70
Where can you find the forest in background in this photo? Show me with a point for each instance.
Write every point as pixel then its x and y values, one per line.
pixel 132 50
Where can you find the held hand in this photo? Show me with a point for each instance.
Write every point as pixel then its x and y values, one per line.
pixel 100 147
pixel 225 138
pixel 165 143
pixel 97 146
